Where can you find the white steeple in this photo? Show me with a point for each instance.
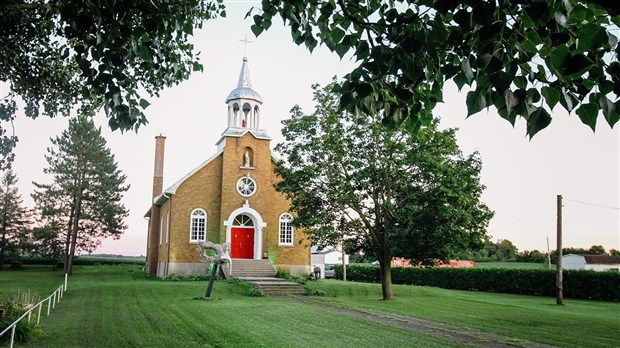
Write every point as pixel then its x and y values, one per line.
pixel 244 102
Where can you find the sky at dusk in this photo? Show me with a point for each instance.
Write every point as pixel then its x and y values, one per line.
pixel 522 176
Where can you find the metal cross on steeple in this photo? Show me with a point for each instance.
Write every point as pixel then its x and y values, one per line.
pixel 246 42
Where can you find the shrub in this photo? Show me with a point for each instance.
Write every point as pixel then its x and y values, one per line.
pixel 317 293
pixel 173 277
pixel 14 308
pixel 256 292
pixel 577 284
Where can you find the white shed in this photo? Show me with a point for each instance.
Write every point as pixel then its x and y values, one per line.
pixel 326 257
pixel 591 262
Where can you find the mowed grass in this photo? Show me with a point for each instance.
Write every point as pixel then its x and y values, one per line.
pixel 577 323
pixel 118 306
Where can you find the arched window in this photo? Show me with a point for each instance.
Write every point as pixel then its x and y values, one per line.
pixel 198 226
pixel 286 229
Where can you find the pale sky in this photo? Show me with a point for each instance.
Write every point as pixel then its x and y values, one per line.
pixel 522 177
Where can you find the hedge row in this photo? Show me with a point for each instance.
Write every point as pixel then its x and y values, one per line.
pixel 78 261
pixel 577 284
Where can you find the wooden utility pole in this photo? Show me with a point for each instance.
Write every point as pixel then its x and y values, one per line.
pixel 548 254
pixel 558 276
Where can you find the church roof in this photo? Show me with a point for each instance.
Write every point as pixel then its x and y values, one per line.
pixel 159 200
pixel 239 132
pixel 244 86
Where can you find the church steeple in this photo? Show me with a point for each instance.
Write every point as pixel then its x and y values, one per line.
pixel 244 102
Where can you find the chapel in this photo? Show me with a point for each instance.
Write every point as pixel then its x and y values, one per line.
pixel 229 197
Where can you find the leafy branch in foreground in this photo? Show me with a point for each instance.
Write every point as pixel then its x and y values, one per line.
pixel 523 57
pixel 60 54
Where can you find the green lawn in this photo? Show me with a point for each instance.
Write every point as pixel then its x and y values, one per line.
pixel 578 323
pixel 118 306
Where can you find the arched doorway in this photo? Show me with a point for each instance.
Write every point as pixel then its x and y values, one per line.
pixel 242 237
pixel 248 225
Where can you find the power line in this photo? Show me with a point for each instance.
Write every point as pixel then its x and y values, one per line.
pixel 592 204
pixel 517 221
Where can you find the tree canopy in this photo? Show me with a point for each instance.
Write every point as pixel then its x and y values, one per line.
pixel 524 57
pixel 83 202
pixel 388 193
pixel 60 54
pixel 14 218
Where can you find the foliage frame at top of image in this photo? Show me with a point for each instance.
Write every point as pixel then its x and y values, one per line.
pixel 63 54
pixel 522 57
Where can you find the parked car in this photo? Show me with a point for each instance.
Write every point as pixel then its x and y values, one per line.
pixel 330 271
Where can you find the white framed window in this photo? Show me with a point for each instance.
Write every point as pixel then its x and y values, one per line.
pixel 243 220
pixel 168 226
pixel 246 186
pixel 198 226
pixel 286 229
pixel 161 230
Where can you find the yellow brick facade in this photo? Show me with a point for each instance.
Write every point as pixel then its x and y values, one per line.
pixel 213 187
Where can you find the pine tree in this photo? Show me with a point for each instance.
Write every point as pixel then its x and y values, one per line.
pixel 83 202
pixel 14 218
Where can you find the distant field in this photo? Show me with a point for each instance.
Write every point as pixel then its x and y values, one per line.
pixel 521 265
pixel 119 306
pixel 118 258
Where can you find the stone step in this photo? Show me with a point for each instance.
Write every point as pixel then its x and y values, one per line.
pixel 252 268
pixel 275 286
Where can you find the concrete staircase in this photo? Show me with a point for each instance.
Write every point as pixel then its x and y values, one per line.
pixel 275 286
pixel 262 274
pixel 252 268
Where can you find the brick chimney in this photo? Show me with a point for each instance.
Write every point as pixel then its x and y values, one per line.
pixel 152 256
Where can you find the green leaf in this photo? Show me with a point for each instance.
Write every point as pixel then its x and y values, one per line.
pixel 466 67
pixel 537 121
pixel 609 110
pixel 341 50
pixel 520 82
pixel 501 81
pixel 144 103
pixel 560 58
pixel 591 37
pixel 266 23
pixel 475 102
pixel 588 114
pixel 578 65
pixel 511 101
pixel 257 29
pixel 614 116
pixel 552 96
pixel 337 34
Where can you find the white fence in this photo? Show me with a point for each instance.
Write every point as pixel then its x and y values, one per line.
pixel 51 303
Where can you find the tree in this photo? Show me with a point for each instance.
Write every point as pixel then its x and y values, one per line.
pixel 14 217
pixel 61 53
pixel 84 198
pixel 597 250
pixel 523 57
pixel 390 193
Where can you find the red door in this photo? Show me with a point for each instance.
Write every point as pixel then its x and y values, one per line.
pixel 242 245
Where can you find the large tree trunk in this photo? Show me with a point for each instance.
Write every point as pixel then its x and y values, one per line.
pixel 74 232
pixel 386 277
pixel 2 247
pixel 68 243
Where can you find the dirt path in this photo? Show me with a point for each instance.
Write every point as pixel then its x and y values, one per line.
pixel 460 334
